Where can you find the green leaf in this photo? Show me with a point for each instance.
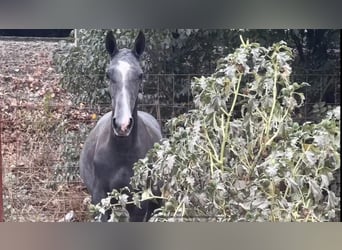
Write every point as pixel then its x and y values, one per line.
pixel 315 190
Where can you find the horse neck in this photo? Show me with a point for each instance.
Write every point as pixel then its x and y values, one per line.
pixel 134 132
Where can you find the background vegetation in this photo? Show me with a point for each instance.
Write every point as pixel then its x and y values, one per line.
pixel 193 51
pixel 242 153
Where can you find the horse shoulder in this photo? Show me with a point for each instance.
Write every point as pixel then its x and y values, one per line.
pixel 151 125
pixel 92 146
pixel 100 140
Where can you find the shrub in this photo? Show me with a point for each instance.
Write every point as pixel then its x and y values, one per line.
pixel 83 66
pixel 239 155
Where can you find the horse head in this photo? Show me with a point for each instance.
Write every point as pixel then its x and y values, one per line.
pixel 125 76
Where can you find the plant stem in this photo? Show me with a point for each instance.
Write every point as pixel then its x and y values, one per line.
pixel 268 124
pixel 274 101
pixel 225 125
pixel 178 207
pixel 210 143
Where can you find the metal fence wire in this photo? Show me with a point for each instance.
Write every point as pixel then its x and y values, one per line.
pixel 42 132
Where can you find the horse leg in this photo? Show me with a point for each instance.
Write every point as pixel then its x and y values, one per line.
pixel 98 193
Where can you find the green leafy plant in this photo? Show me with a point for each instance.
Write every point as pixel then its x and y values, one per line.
pixel 83 66
pixel 239 155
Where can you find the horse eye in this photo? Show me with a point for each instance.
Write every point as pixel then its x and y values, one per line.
pixel 140 76
pixel 107 75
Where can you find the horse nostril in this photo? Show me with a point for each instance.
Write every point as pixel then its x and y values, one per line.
pixel 114 123
pixel 130 122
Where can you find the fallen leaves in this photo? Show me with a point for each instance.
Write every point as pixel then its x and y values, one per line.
pixel 32 105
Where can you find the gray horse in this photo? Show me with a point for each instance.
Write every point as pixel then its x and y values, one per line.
pixel 121 136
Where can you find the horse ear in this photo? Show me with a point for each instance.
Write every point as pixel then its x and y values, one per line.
pixel 139 45
pixel 111 44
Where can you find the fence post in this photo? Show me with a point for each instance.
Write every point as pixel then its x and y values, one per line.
pixel 1 193
pixel 75 37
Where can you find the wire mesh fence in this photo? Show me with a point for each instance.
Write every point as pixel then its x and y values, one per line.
pixel 42 131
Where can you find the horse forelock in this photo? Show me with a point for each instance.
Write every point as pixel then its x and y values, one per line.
pixel 124 62
pixel 125 55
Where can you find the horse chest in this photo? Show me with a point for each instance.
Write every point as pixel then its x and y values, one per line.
pixel 113 168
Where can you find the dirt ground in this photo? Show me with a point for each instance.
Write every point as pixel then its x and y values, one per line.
pixel 32 110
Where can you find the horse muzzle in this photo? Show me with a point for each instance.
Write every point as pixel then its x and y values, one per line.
pixel 122 127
